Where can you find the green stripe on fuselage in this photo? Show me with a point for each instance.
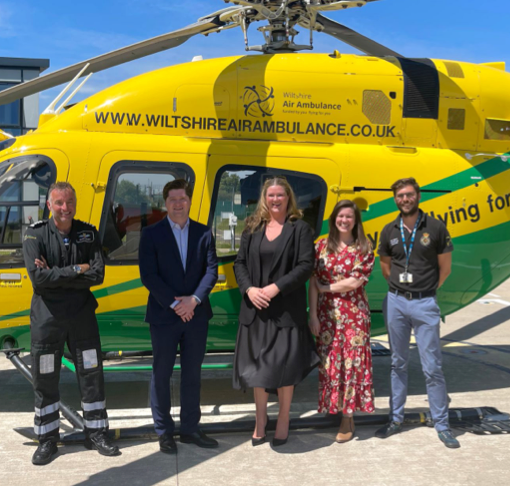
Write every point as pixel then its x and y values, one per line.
pixel 455 182
pixel 117 289
pixel 15 316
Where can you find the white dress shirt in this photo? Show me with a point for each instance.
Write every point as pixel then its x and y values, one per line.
pixel 181 238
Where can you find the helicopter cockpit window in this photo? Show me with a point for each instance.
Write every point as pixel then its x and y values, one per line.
pixel 5 144
pixel 135 201
pixel 24 184
pixel 237 191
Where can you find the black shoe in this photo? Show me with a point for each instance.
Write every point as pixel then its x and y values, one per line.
pixel 102 444
pixel 167 444
pixel 279 442
pixel 389 429
pixel 448 439
pixel 200 439
pixel 256 441
pixel 44 453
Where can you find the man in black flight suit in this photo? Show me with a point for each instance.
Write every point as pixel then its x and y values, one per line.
pixel 64 260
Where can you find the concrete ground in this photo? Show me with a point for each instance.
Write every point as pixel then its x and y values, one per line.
pixel 476 350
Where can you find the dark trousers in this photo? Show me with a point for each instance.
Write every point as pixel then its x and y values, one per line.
pixel 82 337
pixel 191 339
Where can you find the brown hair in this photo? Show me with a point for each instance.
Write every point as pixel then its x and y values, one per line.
pixel 177 184
pixel 262 215
pixel 357 232
pixel 61 186
pixel 406 181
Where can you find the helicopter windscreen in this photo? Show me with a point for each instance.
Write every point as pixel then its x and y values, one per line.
pixel 5 144
pixel 24 185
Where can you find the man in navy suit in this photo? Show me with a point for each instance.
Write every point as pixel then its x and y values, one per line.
pixel 179 267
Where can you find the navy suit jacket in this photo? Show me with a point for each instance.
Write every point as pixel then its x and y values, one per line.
pixel 162 272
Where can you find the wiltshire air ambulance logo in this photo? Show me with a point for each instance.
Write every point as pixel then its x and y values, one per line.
pixel 258 101
pixel 425 239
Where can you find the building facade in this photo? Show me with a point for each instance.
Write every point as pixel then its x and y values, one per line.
pixel 20 116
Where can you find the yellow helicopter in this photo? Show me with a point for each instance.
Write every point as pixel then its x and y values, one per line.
pixel 336 125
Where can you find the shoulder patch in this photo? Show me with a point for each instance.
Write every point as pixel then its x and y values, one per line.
pixel 38 224
pixel 86 224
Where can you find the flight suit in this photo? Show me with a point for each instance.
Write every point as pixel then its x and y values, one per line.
pixel 63 311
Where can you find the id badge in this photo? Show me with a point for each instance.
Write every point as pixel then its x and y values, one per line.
pixel 406 277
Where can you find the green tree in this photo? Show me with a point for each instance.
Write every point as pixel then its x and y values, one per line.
pixel 130 193
pixel 229 184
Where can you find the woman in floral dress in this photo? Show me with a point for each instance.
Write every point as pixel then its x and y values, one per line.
pixel 340 317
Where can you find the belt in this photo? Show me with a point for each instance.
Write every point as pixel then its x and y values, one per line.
pixel 414 295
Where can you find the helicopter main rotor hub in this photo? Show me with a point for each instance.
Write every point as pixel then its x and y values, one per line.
pixel 282 16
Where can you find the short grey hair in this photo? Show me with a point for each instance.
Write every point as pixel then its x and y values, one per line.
pixel 61 186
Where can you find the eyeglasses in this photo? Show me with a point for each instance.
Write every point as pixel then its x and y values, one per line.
pixel 408 195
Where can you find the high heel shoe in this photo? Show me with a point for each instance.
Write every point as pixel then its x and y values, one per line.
pixel 256 441
pixel 280 442
pixel 346 431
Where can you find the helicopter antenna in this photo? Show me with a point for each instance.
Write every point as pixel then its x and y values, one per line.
pixel 51 107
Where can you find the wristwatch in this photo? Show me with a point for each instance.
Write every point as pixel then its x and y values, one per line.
pixel 77 268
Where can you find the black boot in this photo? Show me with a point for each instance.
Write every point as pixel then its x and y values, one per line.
pixel 102 444
pixel 44 453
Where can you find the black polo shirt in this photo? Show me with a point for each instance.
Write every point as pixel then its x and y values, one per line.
pixel 432 239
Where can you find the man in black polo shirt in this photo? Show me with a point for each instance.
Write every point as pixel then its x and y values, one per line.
pixel 415 252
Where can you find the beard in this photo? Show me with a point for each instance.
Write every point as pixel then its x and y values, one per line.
pixel 409 212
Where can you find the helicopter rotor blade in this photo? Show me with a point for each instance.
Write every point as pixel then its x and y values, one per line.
pixel 351 37
pixel 111 59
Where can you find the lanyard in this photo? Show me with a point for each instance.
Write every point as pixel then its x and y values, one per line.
pixel 411 243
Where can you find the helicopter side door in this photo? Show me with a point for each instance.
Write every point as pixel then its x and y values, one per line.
pixel 133 199
pixel 231 194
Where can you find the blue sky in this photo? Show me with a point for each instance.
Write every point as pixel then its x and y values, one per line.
pixel 68 32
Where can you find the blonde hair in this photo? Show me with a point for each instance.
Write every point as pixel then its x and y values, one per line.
pixel 262 214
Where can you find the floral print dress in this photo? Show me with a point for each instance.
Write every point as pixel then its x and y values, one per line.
pixel 345 373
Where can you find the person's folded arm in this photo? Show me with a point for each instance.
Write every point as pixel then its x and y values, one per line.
pixel 95 274
pixel 44 278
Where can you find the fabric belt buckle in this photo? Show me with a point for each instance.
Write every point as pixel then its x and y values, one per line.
pixel 408 295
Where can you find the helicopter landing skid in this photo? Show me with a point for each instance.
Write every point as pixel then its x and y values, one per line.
pixel 481 420
pixel 13 354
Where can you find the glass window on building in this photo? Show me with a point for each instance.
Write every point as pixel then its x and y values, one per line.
pixel 20 116
pixel 10 114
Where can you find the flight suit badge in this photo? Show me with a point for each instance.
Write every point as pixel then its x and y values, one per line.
pixel 85 236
